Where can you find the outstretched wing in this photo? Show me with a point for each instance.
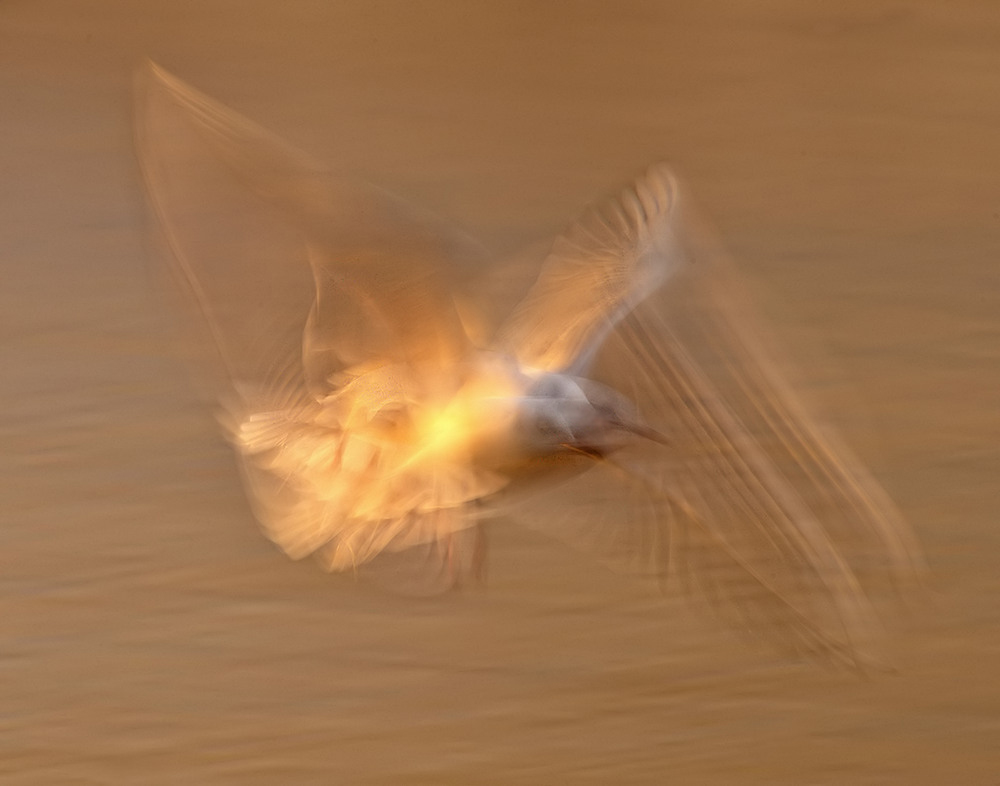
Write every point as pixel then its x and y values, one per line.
pixel 284 259
pixel 619 252
pixel 752 501
pixel 299 276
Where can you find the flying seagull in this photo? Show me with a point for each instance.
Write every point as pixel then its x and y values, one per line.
pixel 387 388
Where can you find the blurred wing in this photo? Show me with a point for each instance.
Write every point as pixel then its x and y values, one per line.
pixel 285 260
pixel 751 501
pixel 297 276
pixel 615 255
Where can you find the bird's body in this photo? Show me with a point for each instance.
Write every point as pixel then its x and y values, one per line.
pixel 374 408
pixel 393 445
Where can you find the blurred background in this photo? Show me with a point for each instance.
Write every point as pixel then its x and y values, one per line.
pixel 848 155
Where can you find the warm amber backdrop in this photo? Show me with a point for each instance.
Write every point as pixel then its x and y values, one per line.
pixel 849 154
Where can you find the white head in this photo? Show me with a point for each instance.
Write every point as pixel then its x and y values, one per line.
pixel 560 413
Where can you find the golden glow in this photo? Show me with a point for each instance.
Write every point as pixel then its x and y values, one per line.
pixel 384 463
pixel 445 432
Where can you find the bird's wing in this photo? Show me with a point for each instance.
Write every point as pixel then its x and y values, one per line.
pixel 618 252
pixel 751 500
pixel 300 279
pixel 284 261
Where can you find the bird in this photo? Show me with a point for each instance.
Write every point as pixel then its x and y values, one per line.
pixel 389 389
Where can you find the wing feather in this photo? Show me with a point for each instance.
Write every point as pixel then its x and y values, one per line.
pixel 278 253
pixel 752 501
pixel 299 278
pixel 597 271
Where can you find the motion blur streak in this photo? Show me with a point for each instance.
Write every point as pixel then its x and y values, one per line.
pixel 376 406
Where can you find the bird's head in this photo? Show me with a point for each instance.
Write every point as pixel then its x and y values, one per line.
pixel 560 413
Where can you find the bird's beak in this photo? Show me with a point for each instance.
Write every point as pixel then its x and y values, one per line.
pixel 647 433
pixel 644 431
